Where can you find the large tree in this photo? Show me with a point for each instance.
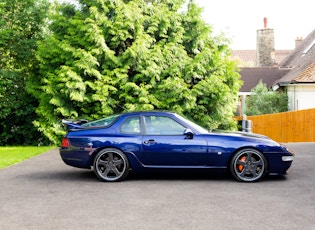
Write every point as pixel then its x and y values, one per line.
pixel 107 56
pixel 20 28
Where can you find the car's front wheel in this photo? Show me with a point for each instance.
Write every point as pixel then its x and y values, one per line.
pixel 111 165
pixel 248 165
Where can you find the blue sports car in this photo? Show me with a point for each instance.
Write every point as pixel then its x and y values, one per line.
pixel 141 141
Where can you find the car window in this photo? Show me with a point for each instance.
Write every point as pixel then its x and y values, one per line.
pixel 160 125
pixel 131 125
pixel 107 121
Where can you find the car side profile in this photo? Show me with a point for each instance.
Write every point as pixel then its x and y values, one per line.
pixel 141 141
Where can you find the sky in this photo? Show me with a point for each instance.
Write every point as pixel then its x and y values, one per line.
pixel 239 20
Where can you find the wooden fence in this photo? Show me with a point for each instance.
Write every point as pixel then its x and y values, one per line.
pixel 294 126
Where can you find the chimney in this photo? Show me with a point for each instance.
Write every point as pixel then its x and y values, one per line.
pixel 265 51
pixel 265 23
pixel 298 41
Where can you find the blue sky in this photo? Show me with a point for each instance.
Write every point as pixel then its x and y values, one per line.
pixel 240 20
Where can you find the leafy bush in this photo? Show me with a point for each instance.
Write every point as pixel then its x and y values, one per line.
pixel 20 29
pixel 264 101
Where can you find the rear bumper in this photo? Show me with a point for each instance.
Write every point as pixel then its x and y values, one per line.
pixel 78 158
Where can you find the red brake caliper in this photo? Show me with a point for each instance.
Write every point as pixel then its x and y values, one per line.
pixel 239 166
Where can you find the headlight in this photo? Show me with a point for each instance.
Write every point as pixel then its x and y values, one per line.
pixel 287 158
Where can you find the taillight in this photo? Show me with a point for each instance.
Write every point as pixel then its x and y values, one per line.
pixel 65 143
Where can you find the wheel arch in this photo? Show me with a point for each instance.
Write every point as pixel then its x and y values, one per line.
pixel 127 154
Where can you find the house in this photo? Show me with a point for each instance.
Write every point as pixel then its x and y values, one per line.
pixel 299 82
pixel 258 65
pixel 265 54
pixel 247 58
pixel 252 76
pixel 292 71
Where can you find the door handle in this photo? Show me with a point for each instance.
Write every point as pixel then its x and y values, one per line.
pixel 149 142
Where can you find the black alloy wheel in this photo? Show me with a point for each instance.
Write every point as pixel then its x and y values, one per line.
pixel 248 165
pixel 111 165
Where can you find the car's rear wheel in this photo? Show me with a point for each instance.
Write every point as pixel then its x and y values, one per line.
pixel 111 165
pixel 248 165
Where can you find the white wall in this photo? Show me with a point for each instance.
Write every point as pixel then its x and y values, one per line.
pixel 301 96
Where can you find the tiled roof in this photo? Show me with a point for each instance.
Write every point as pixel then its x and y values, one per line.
pixel 296 57
pixel 308 75
pixel 301 62
pixel 281 55
pixel 247 58
pixel 252 76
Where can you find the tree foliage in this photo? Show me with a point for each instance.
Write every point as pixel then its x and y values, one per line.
pixel 108 56
pixel 264 101
pixel 20 28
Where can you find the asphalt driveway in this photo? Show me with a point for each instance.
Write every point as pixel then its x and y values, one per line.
pixel 44 193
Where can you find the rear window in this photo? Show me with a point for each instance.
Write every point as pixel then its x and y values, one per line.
pixel 107 121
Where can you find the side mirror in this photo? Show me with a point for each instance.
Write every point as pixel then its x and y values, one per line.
pixel 188 133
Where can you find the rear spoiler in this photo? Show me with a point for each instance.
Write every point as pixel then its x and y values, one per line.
pixel 73 124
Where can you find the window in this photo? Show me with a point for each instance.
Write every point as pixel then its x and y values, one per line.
pixel 107 121
pixel 159 125
pixel 131 125
pixel 308 48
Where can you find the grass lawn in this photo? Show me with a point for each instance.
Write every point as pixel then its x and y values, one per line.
pixel 13 155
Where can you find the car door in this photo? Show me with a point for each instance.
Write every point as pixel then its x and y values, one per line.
pixel 164 144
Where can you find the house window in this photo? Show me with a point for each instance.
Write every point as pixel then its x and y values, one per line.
pixel 308 48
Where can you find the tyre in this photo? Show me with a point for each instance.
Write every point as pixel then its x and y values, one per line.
pixel 111 165
pixel 248 165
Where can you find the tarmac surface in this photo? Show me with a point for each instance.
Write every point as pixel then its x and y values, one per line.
pixel 44 193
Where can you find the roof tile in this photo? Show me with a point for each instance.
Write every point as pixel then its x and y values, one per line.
pixel 308 75
pixel 247 58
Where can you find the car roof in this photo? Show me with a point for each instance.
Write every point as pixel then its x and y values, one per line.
pixel 160 112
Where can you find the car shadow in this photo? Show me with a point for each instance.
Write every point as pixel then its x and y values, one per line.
pixel 195 176
pixel 275 178
pixel 83 175
pixel 179 175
